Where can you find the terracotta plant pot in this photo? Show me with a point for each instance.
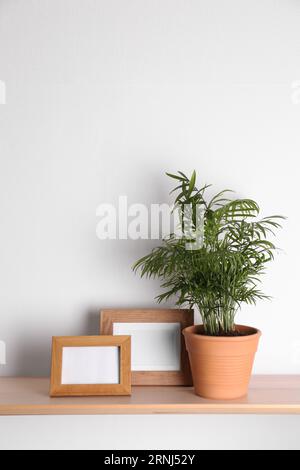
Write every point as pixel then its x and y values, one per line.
pixel 221 366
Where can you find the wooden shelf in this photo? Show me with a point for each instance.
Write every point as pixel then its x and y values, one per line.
pixel 267 395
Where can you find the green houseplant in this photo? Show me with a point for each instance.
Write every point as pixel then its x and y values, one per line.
pixel 215 264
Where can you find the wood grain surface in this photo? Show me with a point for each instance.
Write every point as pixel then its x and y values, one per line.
pixel 267 395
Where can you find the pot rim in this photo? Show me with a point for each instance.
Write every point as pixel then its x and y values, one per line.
pixel 191 330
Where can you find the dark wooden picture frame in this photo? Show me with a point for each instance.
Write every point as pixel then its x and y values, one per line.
pixel 57 389
pixel 185 317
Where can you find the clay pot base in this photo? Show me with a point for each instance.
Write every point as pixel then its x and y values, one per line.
pixel 221 366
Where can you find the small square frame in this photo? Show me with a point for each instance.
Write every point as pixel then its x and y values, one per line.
pixel 163 378
pixel 57 389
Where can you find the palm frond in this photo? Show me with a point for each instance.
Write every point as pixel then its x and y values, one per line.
pixel 227 270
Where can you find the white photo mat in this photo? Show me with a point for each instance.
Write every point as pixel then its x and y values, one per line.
pixel 90 365
pixel 155 346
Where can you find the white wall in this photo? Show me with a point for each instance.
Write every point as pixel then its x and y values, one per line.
pixel 150 432
pixel 102 97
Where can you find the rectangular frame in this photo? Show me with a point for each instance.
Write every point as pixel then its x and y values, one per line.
pixel 163 378
pixel 57 389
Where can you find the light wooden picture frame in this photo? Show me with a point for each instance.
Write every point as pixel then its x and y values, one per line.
pixel 90 366
pixel 157 332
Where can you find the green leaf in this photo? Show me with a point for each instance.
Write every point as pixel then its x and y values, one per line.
pixel 226 270
pixel 192 183
pixel 175 177
pixel 183 175
pixel 175 189
pixel 216 199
